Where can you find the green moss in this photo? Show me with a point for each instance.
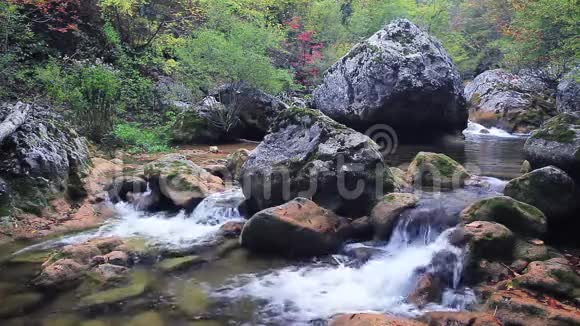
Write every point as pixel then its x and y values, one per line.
pixel 150 318
pixel 558 129
pixel 476 99
pixel 192 299
pixel 139 283
pixel 32 257
pixel 174 264
pixel 19 303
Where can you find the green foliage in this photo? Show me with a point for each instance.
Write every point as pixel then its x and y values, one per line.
pixel 138 139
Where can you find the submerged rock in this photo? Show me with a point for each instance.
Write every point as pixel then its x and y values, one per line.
pixel 557 143
pixel 370 319
pixel 43 158
pixel 437 171
pixel 515 103
pixel 384 215
pixel 139 283
pixel 428 289
pixel 309 155
pixel 181 182
pixel 399 71
pixel 568 94
pixel 63 272
pixel 518 216
pixel 175 264
pixel 549 189
pixel 192 299
pixel 149 318
pixel 18 304
pixel 298 228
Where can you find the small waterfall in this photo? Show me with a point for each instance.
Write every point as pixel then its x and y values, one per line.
pixel 475 129
pixel 299 294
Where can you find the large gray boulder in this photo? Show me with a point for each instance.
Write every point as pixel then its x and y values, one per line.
pixel 400 76
pixel 230 111
pixel 43 157
pixel 557 143
pixel 309 155
pixel 568 95
pixel 515 103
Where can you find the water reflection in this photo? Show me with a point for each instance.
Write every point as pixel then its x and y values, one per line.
pixel 480 154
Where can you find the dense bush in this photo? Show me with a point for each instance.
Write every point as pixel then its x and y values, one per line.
pixel 138 139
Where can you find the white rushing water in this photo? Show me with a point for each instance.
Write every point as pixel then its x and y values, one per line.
pixel 475 129
pixel 298 295
pixel 162 229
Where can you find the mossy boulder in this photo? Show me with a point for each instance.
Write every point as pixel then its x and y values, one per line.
pixel 138 284
pixel 236 160
pixel 178 263
pixel 519 217
pixel 309 155
pixel 555 276
pixel 549 189
pixel 384 215
pixel 557 143
pixel 180 183
pixel 528 251
pixel 489 240
pixel 437 171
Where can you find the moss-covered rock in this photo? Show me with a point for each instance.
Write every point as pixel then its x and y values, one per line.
pixel 557 143
pixel 529 252
pixel 549 189
pixel 139 283
pixel 192 299
pixel 236 160
pixel 489 240
pixel 149 318
pixel 437 171
pixel 554 276
pixel 31 257
pixel 518 216
pixel 175 264
pixel 384 215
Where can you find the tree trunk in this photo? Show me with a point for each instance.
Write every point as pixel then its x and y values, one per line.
pixel 14 120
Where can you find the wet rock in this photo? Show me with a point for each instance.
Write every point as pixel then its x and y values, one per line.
pixel 400 180
pixel 554 276
pixel 108 244
pixel 220 171
pixel 122 186
pixel 384 215
pixel 515 103
pixel 515 307
pixel 459 237
pixel 81 253
pixel 298 228
pixel 42 159
pixel 174 264
pixel 437 171
pixel 180 181
pixel 309 155
pixel 108 273
pixel 192 300
pixel 370 319
pixel 63 272
pixel 549 189
pixel 363 254
pixel 250 113
pixel 232 229
pixel 19 303
pixel 118 258
pixel 489 240
pixel 557 143
pixel 399 71
pixel 486 271
pixel 518 216
pixel 149 318
pixel 526 167
pixel 362 228
pixel 428 289
pixel 464 318
pixel 139 283
pixel 568 94
pixel 31 257
pixel 529 252
pixel 235 162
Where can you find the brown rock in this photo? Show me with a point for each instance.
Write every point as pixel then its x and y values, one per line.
pixel 448 318
pixel 428 289
pixel 554 276
pixel 297 228
pixel 106 245
pixel 516 307
pixel 106 273
pixel 63 272
pixel 81 253
pixel 362 228
pixel 118 258
pixel 372 320
pixel 489 240
pixel 232 229
pixel 385 214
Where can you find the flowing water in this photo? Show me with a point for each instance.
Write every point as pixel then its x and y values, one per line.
pixel 247 290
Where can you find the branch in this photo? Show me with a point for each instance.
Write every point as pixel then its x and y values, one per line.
pixel 14 120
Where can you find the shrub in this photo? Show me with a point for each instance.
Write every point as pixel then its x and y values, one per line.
pixel 137 139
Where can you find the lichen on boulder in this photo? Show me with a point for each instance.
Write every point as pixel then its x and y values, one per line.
pixel 309 155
